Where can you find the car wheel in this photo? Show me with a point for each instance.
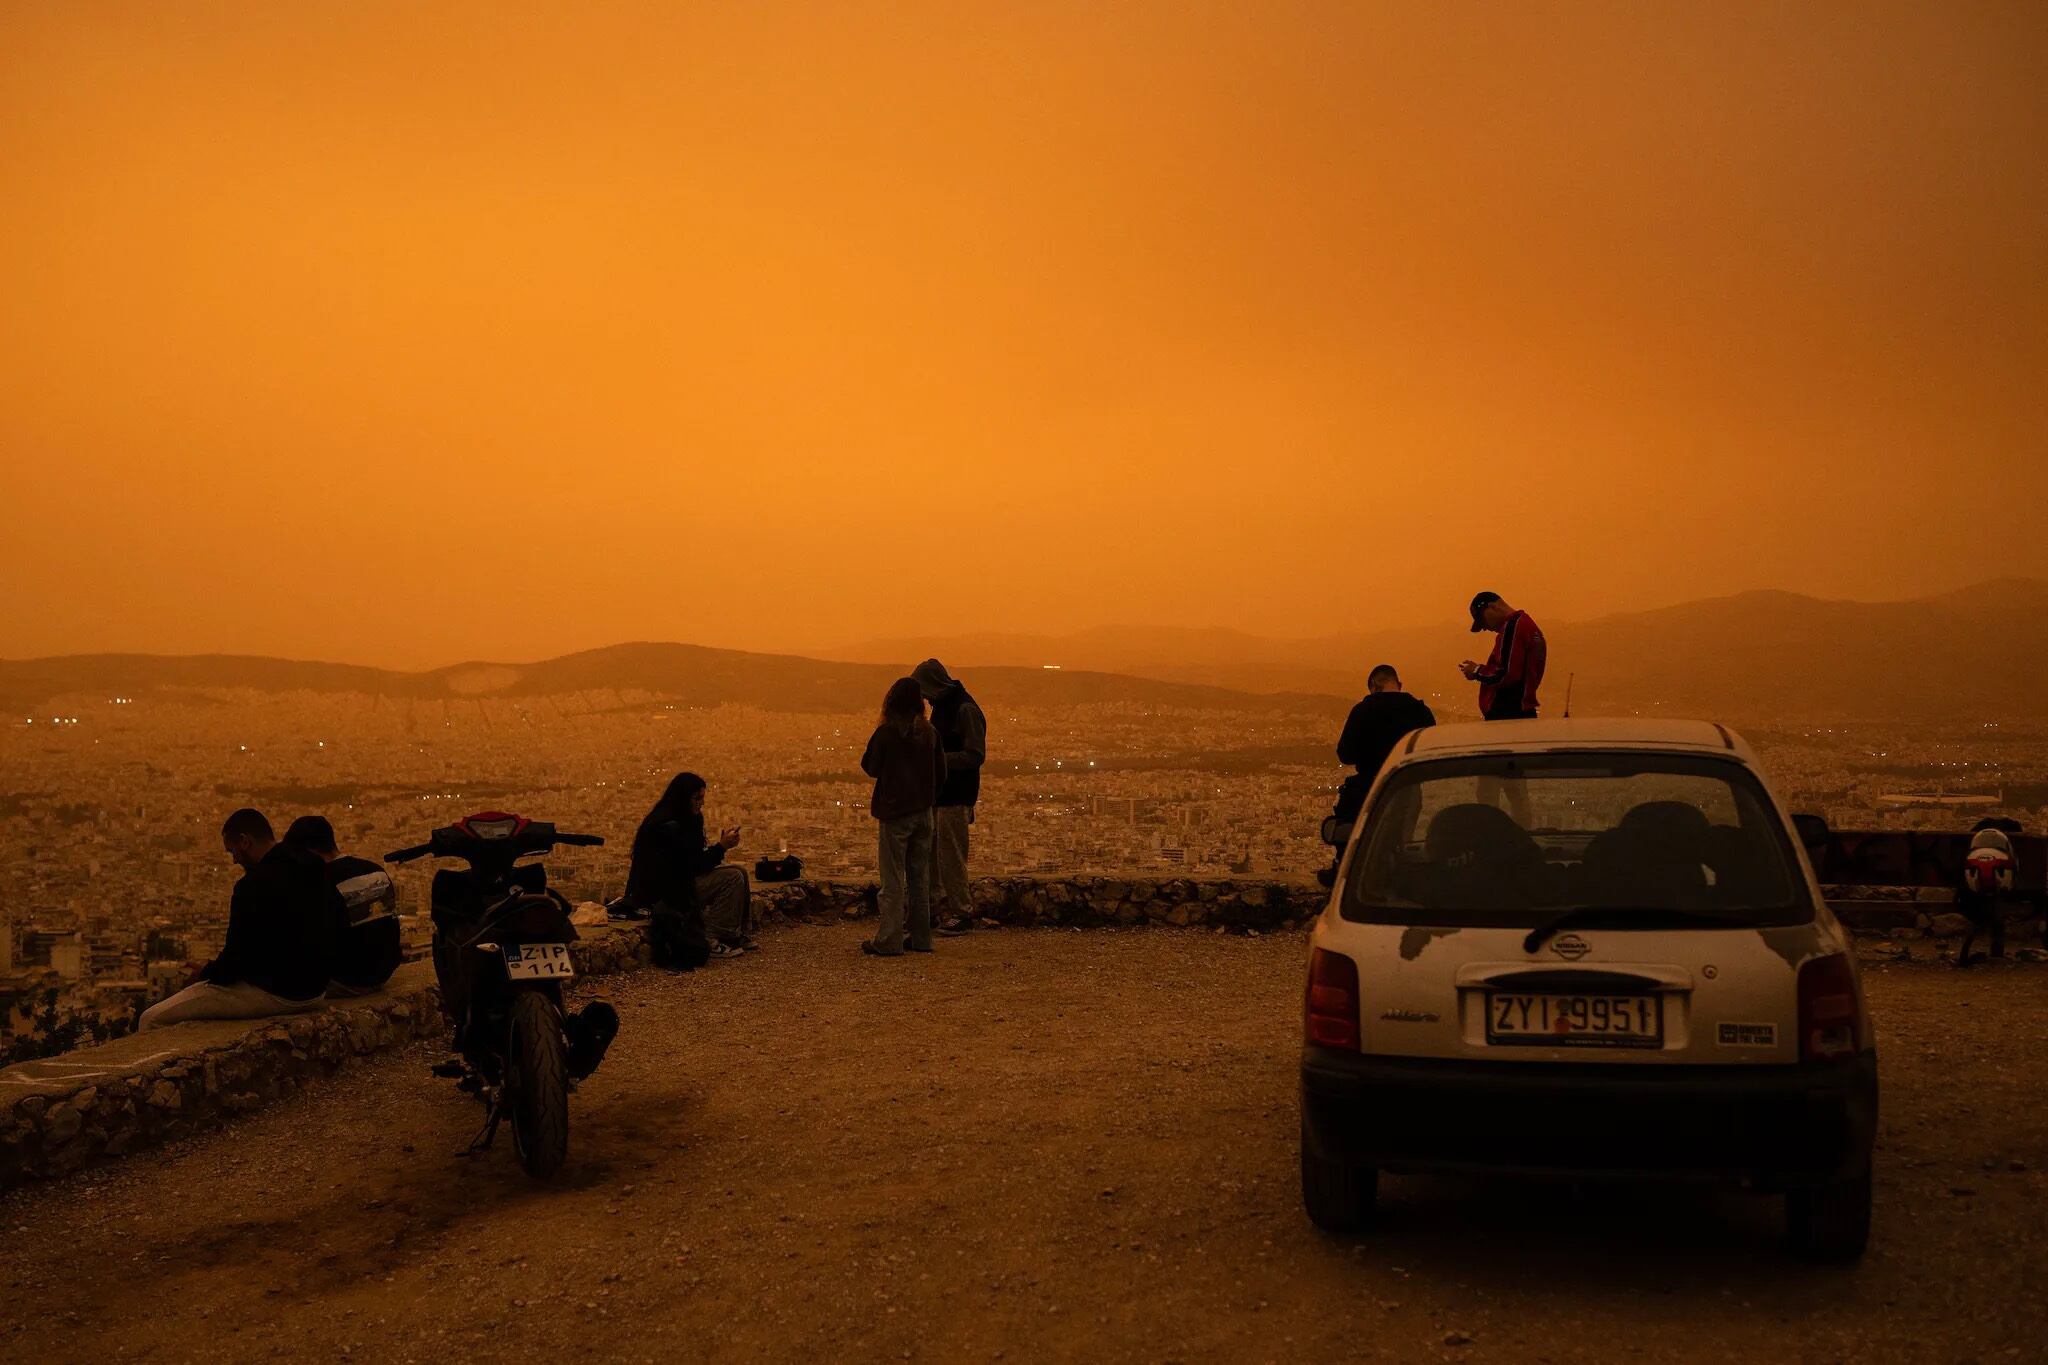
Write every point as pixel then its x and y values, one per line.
pixel 1830 1222
pixel 1338 1194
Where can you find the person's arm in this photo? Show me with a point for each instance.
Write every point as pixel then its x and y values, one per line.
pixel 1515 665
pixel 868 763
pixel 230 966
pixel 1351 744
pixel 973 748
pixel 701 854
pixel 938 765
pixel 1428 716
pixel 682 843
pixel 1500 668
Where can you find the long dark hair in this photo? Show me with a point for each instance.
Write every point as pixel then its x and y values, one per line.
pixel 675 800
pixel 903 707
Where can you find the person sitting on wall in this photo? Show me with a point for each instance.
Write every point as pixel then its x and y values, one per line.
pixel 274 960
pixel 676 877
pixel 367 947
pixel 1386 716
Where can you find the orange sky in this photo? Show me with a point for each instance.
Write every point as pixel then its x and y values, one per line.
pixel 409 332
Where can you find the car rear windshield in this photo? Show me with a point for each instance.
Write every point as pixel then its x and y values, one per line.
pixel 1502 839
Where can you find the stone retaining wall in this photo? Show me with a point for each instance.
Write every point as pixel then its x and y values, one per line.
pixel 1904 912
pixel 62 1113
pixel 1085 902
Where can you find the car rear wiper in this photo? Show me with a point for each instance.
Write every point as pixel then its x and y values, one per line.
pixel 1622 917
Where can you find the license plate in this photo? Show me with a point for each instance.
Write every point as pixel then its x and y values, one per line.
pixel 1575 1020
pixel 531 960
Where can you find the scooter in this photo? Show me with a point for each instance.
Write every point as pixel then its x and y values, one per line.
pixel 501 953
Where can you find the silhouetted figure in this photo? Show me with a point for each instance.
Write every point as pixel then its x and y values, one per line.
pixel 963 732
pixel 908 763
pixel 366 947
pixel 274 959
pixel 1382 720
pixel 676 876
pixel 1514 670
pixel 1989 871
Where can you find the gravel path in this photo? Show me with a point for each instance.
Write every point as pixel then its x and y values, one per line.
pixel 1031 1145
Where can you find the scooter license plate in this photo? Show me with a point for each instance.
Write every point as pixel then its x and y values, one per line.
pixel 531 961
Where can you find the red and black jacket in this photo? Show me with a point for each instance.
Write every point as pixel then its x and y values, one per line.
pixel 1513 672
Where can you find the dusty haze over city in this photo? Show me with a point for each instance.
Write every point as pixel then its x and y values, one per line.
pixel 403 335
pixel 415 409
pixel 1162 369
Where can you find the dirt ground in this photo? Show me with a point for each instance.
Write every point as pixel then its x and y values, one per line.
pixel 1028 1146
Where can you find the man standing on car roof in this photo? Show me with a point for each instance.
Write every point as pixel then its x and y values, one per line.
pixel 1511 674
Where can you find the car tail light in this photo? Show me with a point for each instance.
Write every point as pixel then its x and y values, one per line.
pixel 1331 1011
pixel 1828 1009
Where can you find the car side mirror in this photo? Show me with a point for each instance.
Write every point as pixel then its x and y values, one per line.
pixel 1813 830
pixel 1336 833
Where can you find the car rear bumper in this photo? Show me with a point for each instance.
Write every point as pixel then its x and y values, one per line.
pixel 1776 1126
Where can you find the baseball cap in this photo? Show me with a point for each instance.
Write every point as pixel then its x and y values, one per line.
pixel 1479 604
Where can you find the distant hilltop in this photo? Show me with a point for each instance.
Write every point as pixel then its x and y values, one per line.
pixel 1964 655
pixel 1757 656
pixel 688 674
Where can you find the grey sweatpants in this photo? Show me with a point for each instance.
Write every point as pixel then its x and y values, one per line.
pixel 204 1000
pixel 724 894
pixel 949 861
pixel 904 852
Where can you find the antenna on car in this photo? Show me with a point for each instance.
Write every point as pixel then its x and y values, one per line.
pixel 1569 679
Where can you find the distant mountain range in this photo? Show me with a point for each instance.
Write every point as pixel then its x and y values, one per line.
pixel 689 674
pixel 1755 656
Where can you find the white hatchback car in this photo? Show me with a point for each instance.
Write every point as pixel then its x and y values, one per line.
pixel 1587 948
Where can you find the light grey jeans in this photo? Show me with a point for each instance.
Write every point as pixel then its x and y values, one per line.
pixel 723 895
pixel 949 861
pixel 204 1000
pixel 904 851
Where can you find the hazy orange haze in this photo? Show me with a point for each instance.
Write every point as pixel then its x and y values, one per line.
pixel 403 333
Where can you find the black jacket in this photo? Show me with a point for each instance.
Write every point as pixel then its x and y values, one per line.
pixel 909 770
pixel 1376 725
pixel 669 854
pixel 280 926
pixel 963 735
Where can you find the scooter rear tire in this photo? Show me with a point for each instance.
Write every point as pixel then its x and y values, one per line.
pixel 538 1083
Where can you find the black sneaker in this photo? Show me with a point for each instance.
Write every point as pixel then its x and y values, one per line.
pixel 745 943
pixel 954 927
pixel 590 1030
pixel 726 950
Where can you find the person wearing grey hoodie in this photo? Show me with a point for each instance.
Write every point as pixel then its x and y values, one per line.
pixel 963 734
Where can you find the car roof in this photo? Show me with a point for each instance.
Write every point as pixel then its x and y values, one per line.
pixel 1599 732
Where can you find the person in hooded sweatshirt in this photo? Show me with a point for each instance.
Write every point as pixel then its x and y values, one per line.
pixel 909 767
pixel 1382 720
pixel 963 732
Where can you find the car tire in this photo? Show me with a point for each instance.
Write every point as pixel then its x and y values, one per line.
pixel 1830 1223
pixel 1338 1194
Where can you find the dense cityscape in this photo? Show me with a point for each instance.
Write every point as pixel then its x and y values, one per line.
pixel 113 884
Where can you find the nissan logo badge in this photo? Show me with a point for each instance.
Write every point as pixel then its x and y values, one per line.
pixel 1570 947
